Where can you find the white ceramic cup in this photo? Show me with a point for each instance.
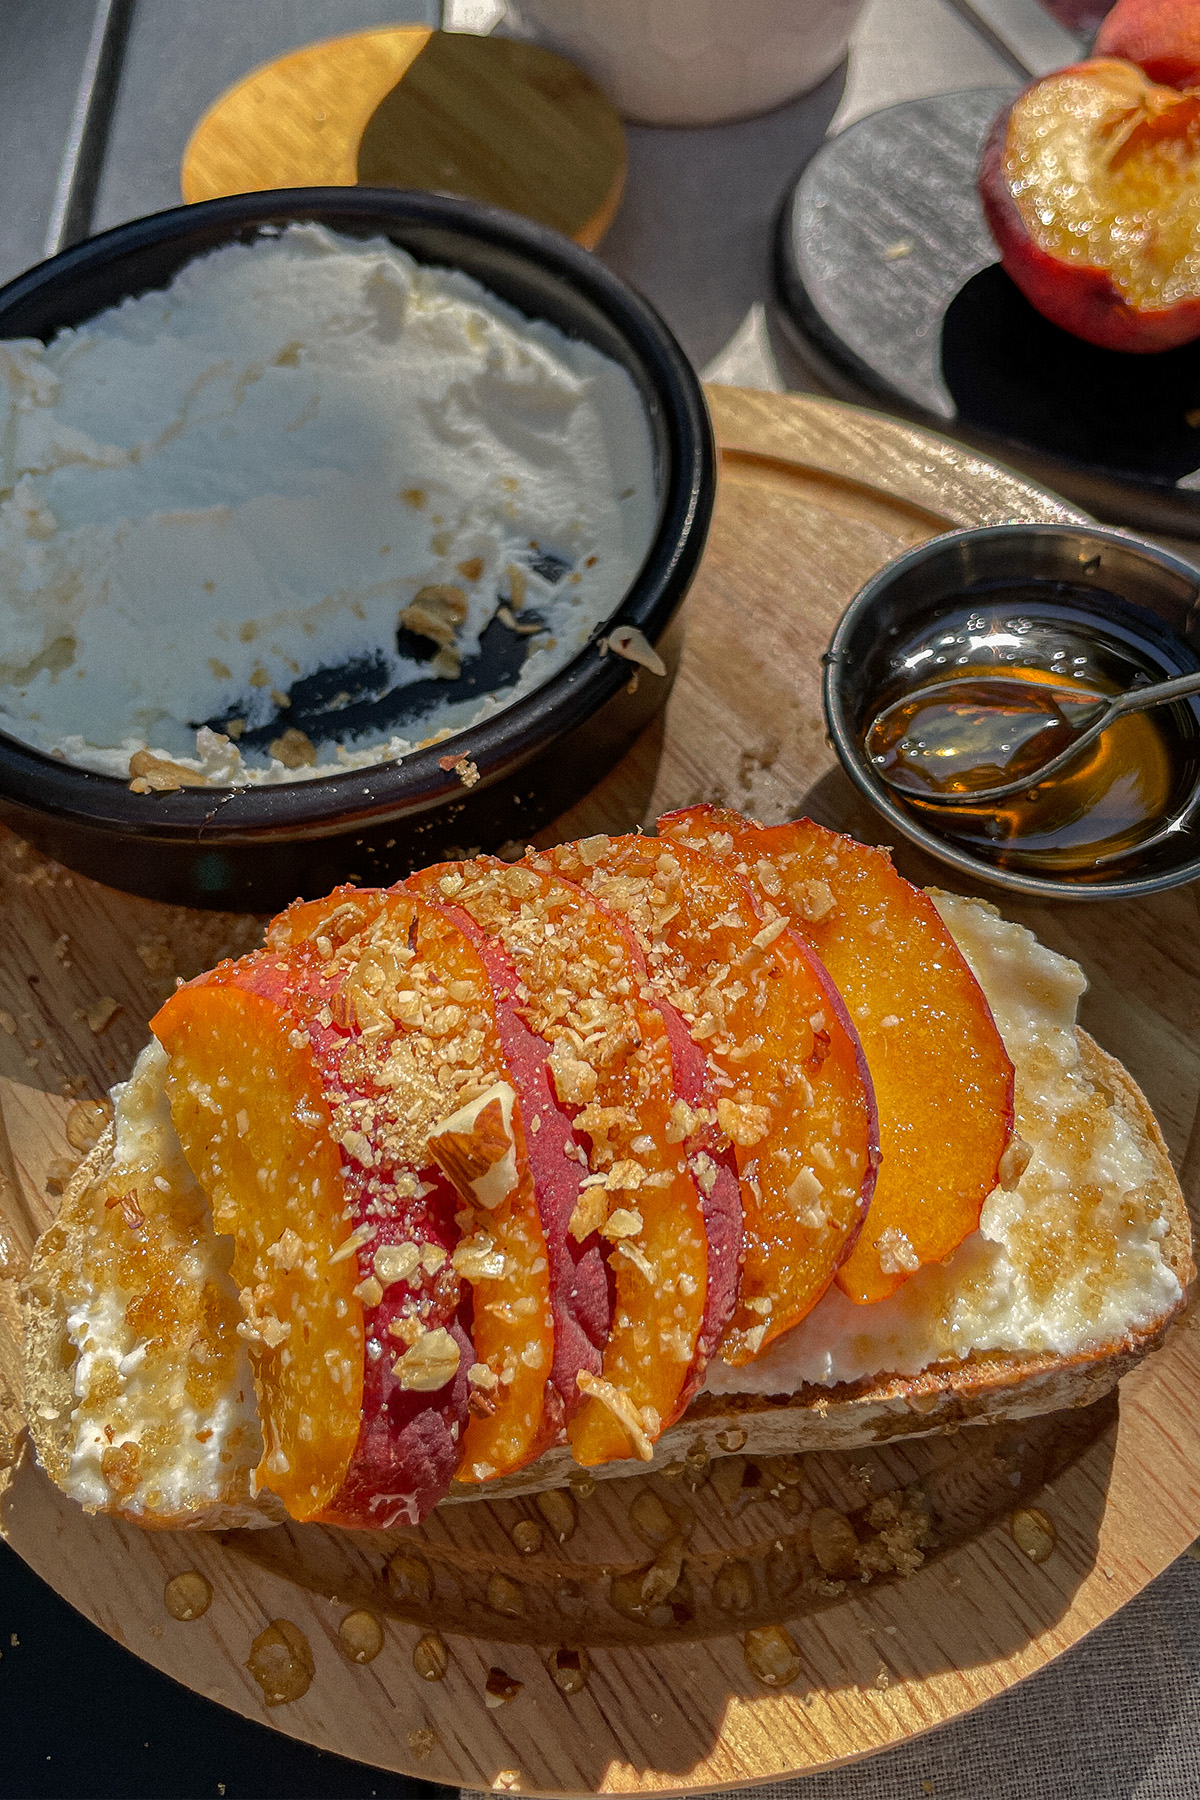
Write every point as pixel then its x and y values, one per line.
pixel 695 62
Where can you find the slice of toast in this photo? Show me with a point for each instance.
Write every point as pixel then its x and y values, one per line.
pixel 982 1389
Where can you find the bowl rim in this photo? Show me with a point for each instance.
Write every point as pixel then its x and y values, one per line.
pixel 850 755
pixel 499 745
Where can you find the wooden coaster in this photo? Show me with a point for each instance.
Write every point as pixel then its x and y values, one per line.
pixel 493 118
pixel 887 266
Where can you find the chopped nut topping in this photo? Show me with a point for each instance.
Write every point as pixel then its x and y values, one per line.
pixel 435 612
pixel 476 1149
pixel 527 1536
pixel 590 1212
pixel 396 1262
pixel 627 1414
pixel 743 1124
pixel 805 1196
pixel 896 1254
pixel 623 1222
pixel 294 749
pixel 466 770
pixel 430 1364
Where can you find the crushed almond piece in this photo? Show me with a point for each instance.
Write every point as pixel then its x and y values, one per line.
pixel 635 647
pixel 435 612
pixel 1014 1162
pixel 896 1254
pixel 294 749
pixel 621 1406
pixel 101 1013
pixel 591 1210
pixel 743 1124
pixel 158 775
pixel 429 1364
pixel 622 1222
pixel 395 1262
pixel 466 770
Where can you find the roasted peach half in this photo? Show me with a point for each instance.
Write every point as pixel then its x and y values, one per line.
pixel 1090 183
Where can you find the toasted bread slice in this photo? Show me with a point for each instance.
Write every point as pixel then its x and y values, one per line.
pixel 981 1389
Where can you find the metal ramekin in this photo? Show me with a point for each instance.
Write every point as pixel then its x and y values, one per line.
pixel 919 585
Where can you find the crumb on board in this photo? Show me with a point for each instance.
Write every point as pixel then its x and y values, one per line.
pixel 101 1013
pixel 466 771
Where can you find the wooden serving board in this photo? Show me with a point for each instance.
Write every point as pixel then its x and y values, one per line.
pixel 494 118
pixel 813 498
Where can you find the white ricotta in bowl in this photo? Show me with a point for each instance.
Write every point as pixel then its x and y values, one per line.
pixel 210 494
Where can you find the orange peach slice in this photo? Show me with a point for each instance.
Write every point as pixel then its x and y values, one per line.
pixel 943 1081
pixel 249 1106
pixel 406 1028
pixel 583 990
pixel 796 1100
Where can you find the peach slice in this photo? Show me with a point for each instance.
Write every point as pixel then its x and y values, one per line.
pixel 403 1017
pixel 1090 183
pixel 247 1101
pixel 582 988
pixel 579 1286
pixel 943 1081
pixel 796 1099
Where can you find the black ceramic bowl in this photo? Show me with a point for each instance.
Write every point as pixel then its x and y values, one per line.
pixel 258 847
pixel 1143 599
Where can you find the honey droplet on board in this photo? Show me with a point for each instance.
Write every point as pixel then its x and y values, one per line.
pixel 187 1595
pixel 1033 1532
pixel 361 1636
pixel 281 1661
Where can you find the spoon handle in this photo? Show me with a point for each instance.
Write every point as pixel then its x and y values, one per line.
pixel 1161 694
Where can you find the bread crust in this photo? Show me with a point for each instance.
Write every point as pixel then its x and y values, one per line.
pixel 983 1389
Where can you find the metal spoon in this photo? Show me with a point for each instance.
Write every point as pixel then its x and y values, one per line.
pixel 1094 715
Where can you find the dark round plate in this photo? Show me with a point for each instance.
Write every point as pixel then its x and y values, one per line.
pixel 258 847
pixel 885 263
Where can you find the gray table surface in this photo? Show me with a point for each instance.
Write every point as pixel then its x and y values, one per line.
pixel 1118 1718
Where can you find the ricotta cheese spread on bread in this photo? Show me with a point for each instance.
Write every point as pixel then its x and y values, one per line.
pixel 210 495
pixel 1068 1258
pixel 165 1411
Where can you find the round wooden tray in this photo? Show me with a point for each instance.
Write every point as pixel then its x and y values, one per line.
pixel 813 498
